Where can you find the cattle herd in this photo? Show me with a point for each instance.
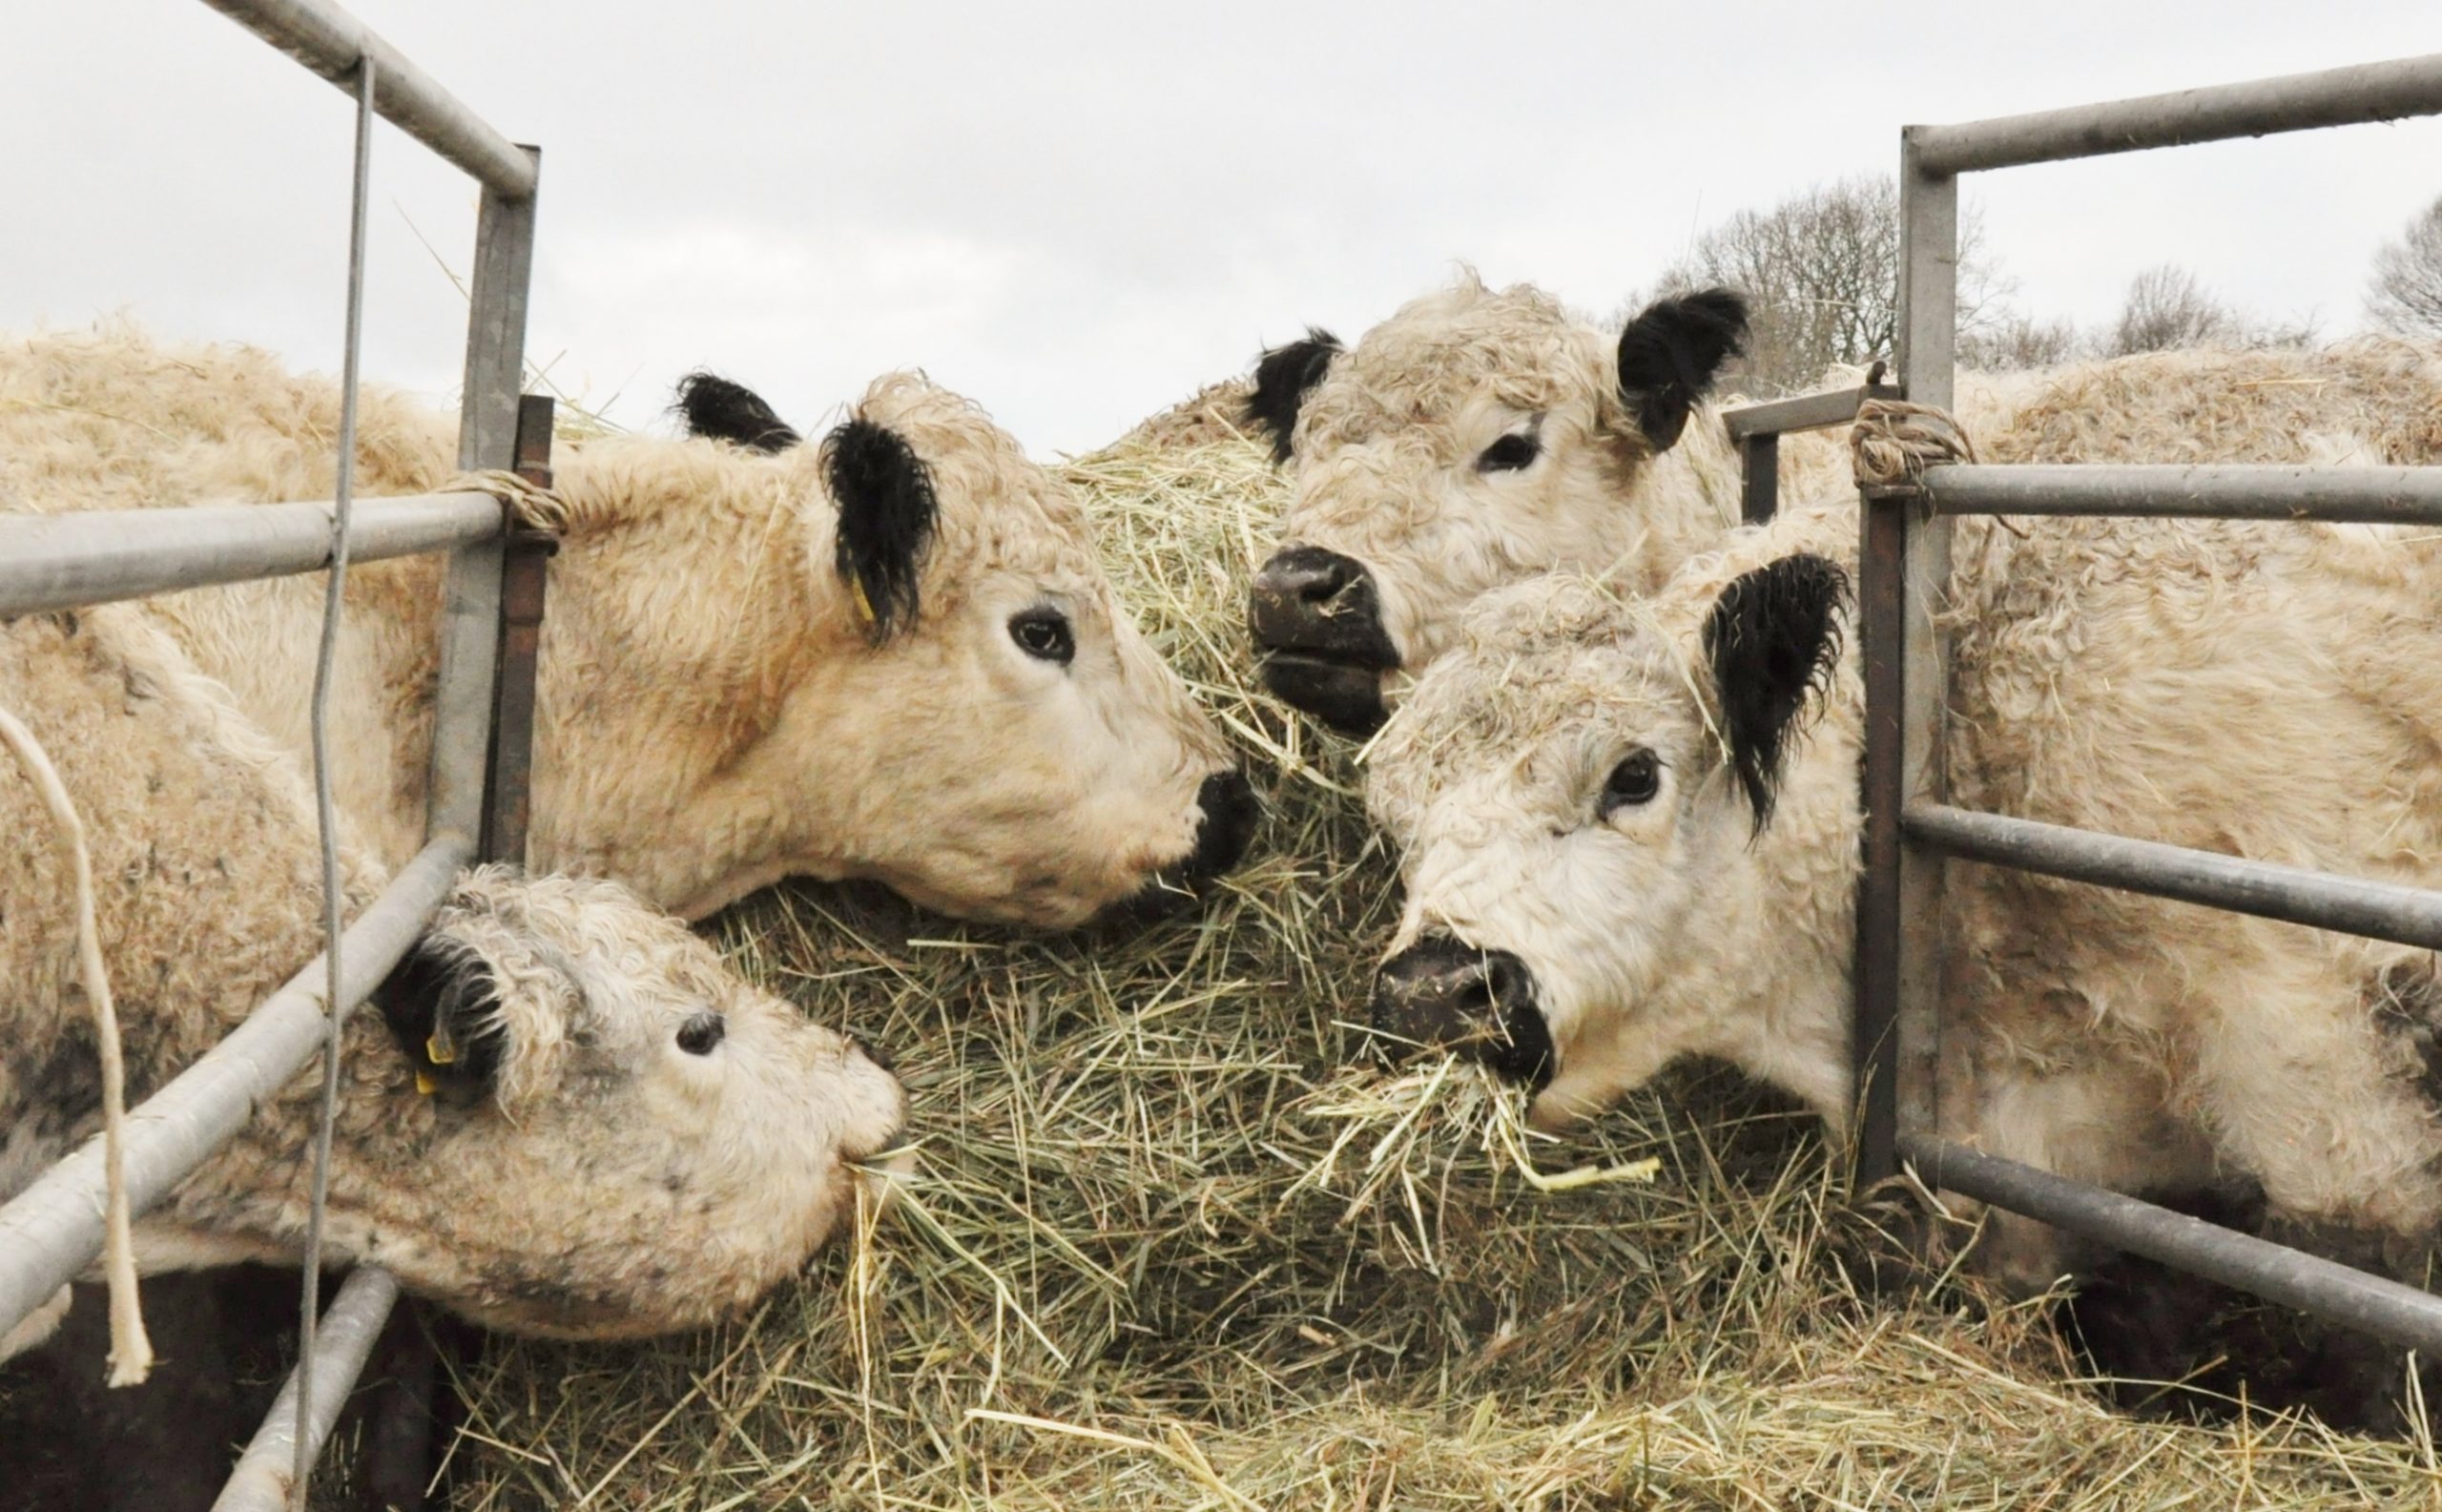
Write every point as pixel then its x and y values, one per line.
pixel 1613 733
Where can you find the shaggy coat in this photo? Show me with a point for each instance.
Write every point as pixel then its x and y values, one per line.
pixel 1651 805
pixel 1392 443
pixel 718 705
pixel 629 1140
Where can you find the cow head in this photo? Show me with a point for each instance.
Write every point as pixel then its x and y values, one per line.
pixel 891 654
pixel 1622 841
pixel 563 1116
pixel 1472 438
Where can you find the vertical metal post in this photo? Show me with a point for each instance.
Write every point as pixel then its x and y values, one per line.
pixel 1905 568
pixel 486 439
pixel 1762 454
pixel 507 794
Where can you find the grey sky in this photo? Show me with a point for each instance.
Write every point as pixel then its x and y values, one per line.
pixel 1078 213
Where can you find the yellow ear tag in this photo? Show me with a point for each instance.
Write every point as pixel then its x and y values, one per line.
pixel 439 1049
pixel 425 1085
pixel 864 605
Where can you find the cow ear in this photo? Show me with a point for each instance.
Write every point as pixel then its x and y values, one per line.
pixel 1671 354
pixel 1773 638
pixel 718 409
pixel 887 511
pixel 1283 375
pixel 442 1006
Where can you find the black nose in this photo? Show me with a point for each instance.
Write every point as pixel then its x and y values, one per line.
pixel 1230 809
pixel 1450 995
pixel 874 1052
pixel 1319 603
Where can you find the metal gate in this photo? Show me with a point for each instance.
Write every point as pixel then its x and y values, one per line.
pixel 1904 568
pixel 54 1230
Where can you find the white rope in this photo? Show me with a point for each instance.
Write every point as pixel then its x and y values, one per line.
pixel 131 1351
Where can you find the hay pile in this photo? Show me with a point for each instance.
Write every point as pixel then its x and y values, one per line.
pixel 1164 1252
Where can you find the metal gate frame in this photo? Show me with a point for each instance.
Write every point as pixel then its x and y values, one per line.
pixel 1904 570
pixel 54 1230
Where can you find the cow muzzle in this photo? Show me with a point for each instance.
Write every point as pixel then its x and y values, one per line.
pixel 1226 809
pixel 1317 619
pixel 1444 994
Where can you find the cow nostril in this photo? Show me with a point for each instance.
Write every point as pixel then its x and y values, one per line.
pixel 1229 808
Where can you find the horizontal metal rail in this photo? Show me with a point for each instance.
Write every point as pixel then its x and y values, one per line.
pixel 329 41
pixel 2328 1289
pixel 53 1230
pixel 99 556
pixel 2358 495
pixel 1777 417
pixel 2409 916
pixel 265 1476
pixel 2367 92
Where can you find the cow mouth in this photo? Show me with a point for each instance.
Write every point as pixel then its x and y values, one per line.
pixel 1228 810
pixel 1345 696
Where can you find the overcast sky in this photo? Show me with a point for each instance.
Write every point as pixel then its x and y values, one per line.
pixel 1077 214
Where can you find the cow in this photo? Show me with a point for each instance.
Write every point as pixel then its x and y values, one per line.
pixel 1630 832
pixel 1480 436
pixel 890 654
pixel 560 1115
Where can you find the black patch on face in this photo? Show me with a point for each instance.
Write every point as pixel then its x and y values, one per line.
pixel 1773 638
pixel 1283 374
pixel 1447 994
pixel 718 409
pixel 1671 354
pixel 436 987
pixel 1316 622
pixel 887 511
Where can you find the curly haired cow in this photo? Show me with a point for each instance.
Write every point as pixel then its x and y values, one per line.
pixel 891 656
pixel 1631 833
pixel 1477 437
pixel 629 1140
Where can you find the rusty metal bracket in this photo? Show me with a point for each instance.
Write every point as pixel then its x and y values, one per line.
pixel 508 785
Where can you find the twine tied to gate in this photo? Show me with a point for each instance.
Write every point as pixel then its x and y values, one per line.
pixel 131 1351
pixel 1893 442
pixel 537 508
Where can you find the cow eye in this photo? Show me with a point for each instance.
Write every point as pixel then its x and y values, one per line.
pixel 1044 635
pixel 1635 780
pixel 700 1034
pixel 1509 453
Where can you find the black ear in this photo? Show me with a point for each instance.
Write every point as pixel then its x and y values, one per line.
pixel 884 493
pixel 442 1007
pixel 1773 638
pixel 1671 354
pixel 1282 376
pixel 720 410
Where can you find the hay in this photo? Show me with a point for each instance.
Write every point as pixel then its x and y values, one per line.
pixel 1165 1251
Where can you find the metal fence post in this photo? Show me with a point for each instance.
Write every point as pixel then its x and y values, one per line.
pixel 487 440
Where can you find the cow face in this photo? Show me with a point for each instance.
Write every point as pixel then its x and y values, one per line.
pixel 904 663
pixel 1593 800
pixel 1471 440
pixel 617 1136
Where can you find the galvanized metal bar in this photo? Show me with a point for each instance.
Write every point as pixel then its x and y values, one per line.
pixel 2367 92
pixel 2355 1298
pixel 53 1230
pixel 99 556
pixel 1897 1029
pixel 2407 916
pixel 2358 495
pixel 1778 417
pixel 329 41
pixel 1759 494
pixel 471 590
pixel 265 1479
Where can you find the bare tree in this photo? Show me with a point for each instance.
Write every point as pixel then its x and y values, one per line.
pixel 2167 307
pixel 2405 293
pixel 1821 274
pixel 2011 341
